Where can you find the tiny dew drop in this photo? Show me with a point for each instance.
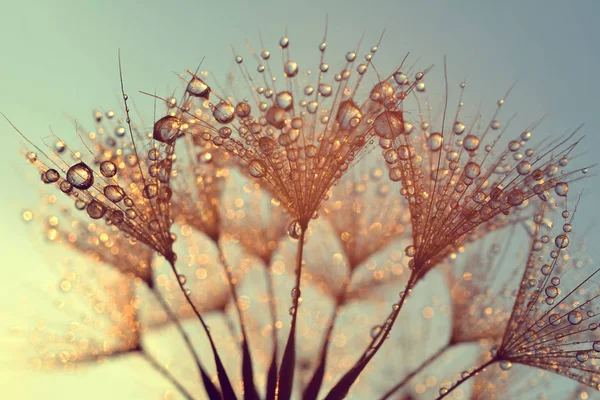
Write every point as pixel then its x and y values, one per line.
pixel 375 331
pixel 443 391
pixel 182 279
pixel 505 365
pixel 295 293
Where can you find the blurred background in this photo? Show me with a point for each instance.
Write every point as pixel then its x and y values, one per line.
pixel 59 60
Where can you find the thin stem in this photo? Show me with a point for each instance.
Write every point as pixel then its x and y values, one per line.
pixel 222 374
pixel 465 378
pixel 174 319
pixel 232 287
pixel 340 390
pixel 164 372
pixel 190 302
pixel 415 371
pixel 286 373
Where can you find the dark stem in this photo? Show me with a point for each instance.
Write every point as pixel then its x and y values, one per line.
pixel 463 379
pixel 190 302
pixel 226 387
pixel 415 371
pixel 286 373
pixel 164 372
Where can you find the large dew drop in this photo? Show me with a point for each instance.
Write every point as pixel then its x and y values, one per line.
pixel 108 169
pixel 96 210
pixel 349 115
pixel 224 112
pixel 389 124
pixel 284 100
pixel 290 68
pixel 435 141
pixel 80 176
pixel 257 168
pixel 198 88
pixel 166 129
pixel 114 193
pixel 275 116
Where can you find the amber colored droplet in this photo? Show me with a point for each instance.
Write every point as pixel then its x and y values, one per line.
pixel 224 112
pixel 166 129
pixel 96 210
pixel 114 193
pixel 242 110
pixel 275 116
pixel 294 229
pixel 257 168
pixel 389 124
pixel 51 175
pixel 285 100
pixel 80 176
pixel 349 115
pixel 198 88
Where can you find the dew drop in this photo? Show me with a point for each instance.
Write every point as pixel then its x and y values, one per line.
pixel 242 110
pixel 561 189
pixel 325 90
pixel 198 88
pixel 114 193
pixel 574 317
pixel 471 143
pixel 294 229
pixel 389 124
pixel 472 170
pixel 96 210
pixel 349 115
pixel 166 129
pixel 257 168
pixel 108 169
pixel 290 69
pixel 459 128
pixel 435 141
pixel 284 100
pixel 51 175
pixel 224 112
pixel 80 176
pixel 505 365
pixel 383 93
pixel 275 116
pixel 561 241
pixel 582 356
